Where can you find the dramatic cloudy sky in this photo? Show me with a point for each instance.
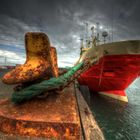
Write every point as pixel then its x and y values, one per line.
pixel 64 22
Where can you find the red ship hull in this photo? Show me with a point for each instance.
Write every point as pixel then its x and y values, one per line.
pixel 112 74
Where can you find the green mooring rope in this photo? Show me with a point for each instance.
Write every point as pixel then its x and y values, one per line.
pixel 37 89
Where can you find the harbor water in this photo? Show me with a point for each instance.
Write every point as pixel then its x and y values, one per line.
pixel 118 120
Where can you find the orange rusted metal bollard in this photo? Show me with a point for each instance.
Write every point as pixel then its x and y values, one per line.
pixel 41 61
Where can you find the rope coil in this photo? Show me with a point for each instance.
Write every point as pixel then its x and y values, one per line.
pixel 51 84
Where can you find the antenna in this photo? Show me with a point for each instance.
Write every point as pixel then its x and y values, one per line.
pixel 98 24
pixel 86 31
pixel 82 45
pixel 93 37
pixel 5 60
pixel 92 31
pixel 86 34
pixel 112 23
pixel 104 34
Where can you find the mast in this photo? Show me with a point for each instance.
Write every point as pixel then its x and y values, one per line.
pixel 5 60
pixel 92 32
pixel 92 36
pixel 87 36
pixel 112 37
pixel 98 34
pixel 82 43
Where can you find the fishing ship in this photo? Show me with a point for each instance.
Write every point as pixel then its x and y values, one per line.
pixel 117 66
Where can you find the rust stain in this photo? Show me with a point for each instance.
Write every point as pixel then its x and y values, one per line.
pixel 53 117
pixel 41 61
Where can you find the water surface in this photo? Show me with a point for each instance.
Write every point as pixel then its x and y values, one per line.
pixel 118 120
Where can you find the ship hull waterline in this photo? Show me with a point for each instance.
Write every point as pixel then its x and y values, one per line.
pixel 112 74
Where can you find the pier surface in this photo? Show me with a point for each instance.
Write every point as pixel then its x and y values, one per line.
pixel 55 117
pixel 64 116
pixel 91 130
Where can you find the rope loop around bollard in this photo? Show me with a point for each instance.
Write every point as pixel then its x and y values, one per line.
pixel 58 83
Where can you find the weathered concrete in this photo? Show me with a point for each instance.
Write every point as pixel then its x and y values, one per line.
pixel 90 127
pixel 68 112
pixel 53 117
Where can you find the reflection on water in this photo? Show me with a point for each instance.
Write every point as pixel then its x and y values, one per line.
pixel 118 120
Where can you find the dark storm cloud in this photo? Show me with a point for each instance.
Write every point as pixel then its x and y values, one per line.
pixel 63 21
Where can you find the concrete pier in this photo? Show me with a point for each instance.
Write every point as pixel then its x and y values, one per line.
pixel 55 117
pixel 91 130
pixel 64 116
